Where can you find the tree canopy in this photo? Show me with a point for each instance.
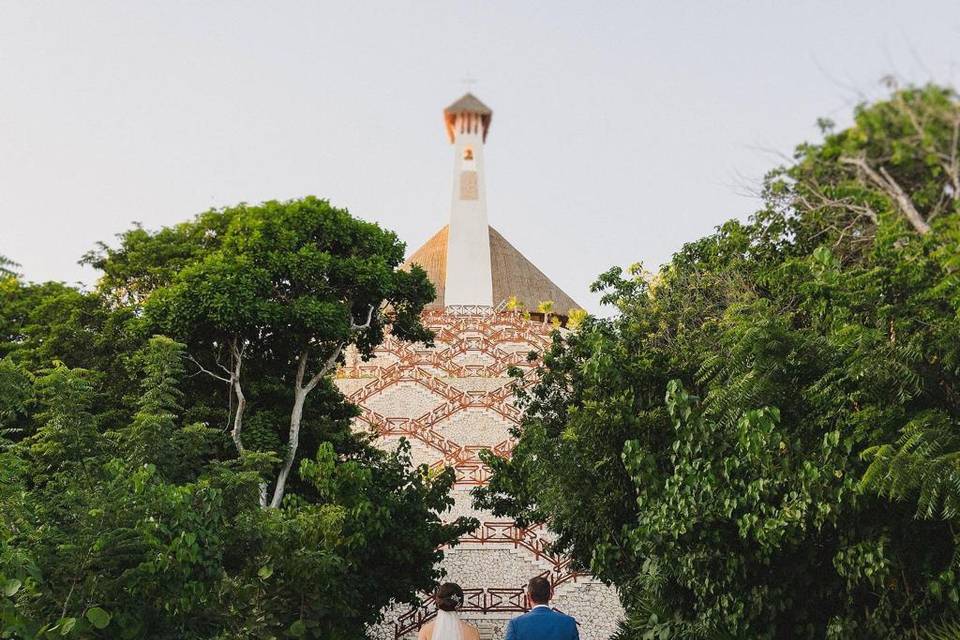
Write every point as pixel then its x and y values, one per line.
pixel 7 267
pixel 134 494
pixel 766 430
pixel 285 287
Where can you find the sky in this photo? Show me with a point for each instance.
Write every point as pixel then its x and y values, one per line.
pixel 621 130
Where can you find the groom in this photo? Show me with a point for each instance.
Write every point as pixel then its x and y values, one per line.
pixel 542 622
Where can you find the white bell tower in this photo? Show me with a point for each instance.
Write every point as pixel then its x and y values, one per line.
pixel 469 280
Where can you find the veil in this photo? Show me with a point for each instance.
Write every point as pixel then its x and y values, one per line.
pixel 447 626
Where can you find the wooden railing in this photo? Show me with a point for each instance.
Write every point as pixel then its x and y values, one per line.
pixel 490 600
pixel 509 600
pixel 422 427
pixel 470 474
pixel 527 538
pixel 451 345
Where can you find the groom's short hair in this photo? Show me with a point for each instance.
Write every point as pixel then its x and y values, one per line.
pixel 538 590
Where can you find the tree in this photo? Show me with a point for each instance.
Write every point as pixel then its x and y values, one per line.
pixel 285 286
pixel 100 527
pixel 141 531
pixel 127 510
pixel 575 318
pixel 545 307
pixel 756 427
pixel 45 323
pixel 7 267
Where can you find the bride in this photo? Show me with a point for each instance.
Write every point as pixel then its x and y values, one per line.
pixel 448 625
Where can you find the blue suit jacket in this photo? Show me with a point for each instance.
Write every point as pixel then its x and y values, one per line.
pixel 542 623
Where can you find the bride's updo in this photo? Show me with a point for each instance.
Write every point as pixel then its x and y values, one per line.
pixel 449 596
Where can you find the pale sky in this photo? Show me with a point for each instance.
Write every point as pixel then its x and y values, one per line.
pixel 620 130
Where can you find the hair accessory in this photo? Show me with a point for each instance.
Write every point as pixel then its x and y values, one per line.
pixel 455 598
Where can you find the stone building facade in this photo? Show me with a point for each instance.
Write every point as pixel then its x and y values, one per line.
pixel 450 402
pixel 455 399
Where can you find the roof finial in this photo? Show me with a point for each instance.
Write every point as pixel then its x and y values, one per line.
pixel 468 81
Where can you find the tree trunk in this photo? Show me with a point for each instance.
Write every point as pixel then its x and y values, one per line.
pixel 296 415
pixel 233 385
pixel 238 416
pixel 300 391
pixel 263 495
pixel 235 433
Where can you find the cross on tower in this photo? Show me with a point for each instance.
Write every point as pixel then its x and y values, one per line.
pixel 469 81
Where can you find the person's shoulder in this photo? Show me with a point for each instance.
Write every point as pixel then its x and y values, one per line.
pixel 471 632
pixel 564 616
pixel 519 621
pixel 425 631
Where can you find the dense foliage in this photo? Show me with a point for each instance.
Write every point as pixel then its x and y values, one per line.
pixel 766 433
pixel 132 491
pixel 272 295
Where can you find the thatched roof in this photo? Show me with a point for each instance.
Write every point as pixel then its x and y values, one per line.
pixel 432 256
pixel 469 104
pixel 512 273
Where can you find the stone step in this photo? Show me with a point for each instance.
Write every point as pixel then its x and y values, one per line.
pixel 595 606
pixel 544 565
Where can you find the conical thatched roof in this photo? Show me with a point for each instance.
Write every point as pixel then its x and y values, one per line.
pixel 469 103
pixel 432 256
pixel 512 273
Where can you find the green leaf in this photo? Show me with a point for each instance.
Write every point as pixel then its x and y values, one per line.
pixel 67 625
pixel 98 617
pixel 11 587
pixel 298 629
pixel 265 572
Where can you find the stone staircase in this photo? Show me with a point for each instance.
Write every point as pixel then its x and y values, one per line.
pixel 544 566
pixel 452 401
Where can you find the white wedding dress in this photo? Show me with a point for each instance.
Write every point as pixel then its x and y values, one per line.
pixel 447 626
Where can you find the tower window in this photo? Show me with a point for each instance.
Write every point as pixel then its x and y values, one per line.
pixel 468 153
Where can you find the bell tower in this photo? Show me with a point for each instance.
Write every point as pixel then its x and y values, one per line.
pixel 468 279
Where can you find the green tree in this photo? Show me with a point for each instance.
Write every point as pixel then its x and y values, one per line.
pixel 44 323
pixel 138 533
pixel 757 426
pixel 126 509
pixel 7 267
pixel 283 288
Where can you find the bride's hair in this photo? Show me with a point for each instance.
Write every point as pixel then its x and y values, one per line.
pixel 449 596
